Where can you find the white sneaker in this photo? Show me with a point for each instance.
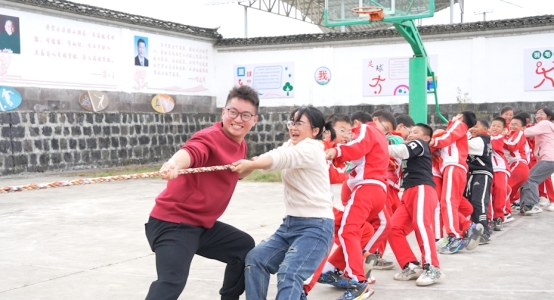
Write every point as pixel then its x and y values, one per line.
pixel 410 272
pixel 529 211
pixel 430 275
pixel 543 201
pixel 508 218
pixel 550 207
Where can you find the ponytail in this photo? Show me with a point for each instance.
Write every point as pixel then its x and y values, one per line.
pixel 329 127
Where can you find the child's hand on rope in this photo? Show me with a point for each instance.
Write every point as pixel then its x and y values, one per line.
pixel 242 166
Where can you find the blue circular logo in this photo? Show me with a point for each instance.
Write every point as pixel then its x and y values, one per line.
pixel 10 98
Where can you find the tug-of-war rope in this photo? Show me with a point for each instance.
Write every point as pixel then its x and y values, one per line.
pixel 39 186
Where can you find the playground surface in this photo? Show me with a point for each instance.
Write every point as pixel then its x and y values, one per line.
pixel 88 242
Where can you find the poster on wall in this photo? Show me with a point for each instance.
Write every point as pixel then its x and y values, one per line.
pixel 10 98
pixel 539 69
pixel 271 80
pixel 389 76
pixel 39 50
pixel 167 64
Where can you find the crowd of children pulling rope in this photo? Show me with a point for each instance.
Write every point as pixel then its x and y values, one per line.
pixel 451 187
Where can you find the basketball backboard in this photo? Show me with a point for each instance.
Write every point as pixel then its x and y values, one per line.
pixel 339 12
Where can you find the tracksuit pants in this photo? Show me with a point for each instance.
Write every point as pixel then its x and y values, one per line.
pixel 530 189
pixel 478 192
pixel 366 204
pixel 453 184
pixel 519 171
pixel 500 191
pixel 415 213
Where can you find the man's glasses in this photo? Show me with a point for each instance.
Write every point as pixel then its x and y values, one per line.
pixel 233 113
pixel 291 124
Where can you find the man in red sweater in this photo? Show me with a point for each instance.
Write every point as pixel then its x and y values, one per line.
pixel 184 222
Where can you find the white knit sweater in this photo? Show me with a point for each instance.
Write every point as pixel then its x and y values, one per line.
pixel 305 177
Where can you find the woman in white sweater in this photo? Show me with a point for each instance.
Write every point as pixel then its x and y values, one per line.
pixel 304 238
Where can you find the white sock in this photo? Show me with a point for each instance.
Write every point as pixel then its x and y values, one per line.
pixel 328 267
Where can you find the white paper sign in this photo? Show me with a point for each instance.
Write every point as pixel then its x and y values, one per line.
pixel 389 76
pixel 269 80
pixel 539 69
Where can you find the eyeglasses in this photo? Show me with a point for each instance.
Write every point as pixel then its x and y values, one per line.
pixel 233 113
pixel 540 114
pixel 384 127
pixel 291 124
pixel 344 132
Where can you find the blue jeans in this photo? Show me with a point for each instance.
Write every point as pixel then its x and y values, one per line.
pixel 294 252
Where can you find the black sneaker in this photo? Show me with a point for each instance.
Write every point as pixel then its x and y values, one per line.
pixel 498 224
pixel 484 239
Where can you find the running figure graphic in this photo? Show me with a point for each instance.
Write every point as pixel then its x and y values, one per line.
pixel 543 72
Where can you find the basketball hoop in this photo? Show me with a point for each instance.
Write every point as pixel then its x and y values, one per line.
pixel 375 13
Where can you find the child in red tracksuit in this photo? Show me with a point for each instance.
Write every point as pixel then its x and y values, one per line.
pixel 500 188
pixel 455 209
pixel 516 149
pixel 367 181
pixel 417 209
pixel 437 178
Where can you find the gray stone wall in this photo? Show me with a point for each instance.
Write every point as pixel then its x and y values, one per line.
pixel 54 141
pixel 55 135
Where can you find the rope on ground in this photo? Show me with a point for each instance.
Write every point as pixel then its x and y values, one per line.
pixel 39 186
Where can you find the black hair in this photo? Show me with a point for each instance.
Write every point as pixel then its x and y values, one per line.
pixel 361 116
pixel 484 122
pixel 505 109
pixel 469 118
pixel 385 116
pixel 141 41
pixel 524 114
pixel 315 116
pixel 501 120
pixel 521 119
pixel 547 112
pixel 246 93
pixel 427 130
pixel 334 118
pixel 405 119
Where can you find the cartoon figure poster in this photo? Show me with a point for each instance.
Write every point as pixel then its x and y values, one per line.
pixel 539 69
pixel 388 76
pixel 271 80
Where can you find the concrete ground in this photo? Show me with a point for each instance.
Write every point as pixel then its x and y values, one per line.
pixel 88 242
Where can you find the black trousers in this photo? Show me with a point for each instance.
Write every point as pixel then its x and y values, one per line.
pixel 176 244
pixel 478 192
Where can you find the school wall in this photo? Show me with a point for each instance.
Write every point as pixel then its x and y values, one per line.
pixel 489 67
pixel 50 131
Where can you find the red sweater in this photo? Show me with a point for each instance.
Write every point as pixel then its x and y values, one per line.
pixel 200 199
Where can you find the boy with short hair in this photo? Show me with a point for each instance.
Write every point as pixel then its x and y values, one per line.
pixel 499 188
pixel 479 177
pixel 453 145
pixel 416 211
pixel 367 183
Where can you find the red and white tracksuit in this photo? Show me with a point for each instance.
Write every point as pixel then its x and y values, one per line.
pixel 500 188
pixel 367 204
pixel 517 152
pixel 415 213
pixel 453 147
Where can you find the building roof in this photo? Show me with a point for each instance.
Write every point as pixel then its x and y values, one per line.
pixel 112 15
pixel 445 29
